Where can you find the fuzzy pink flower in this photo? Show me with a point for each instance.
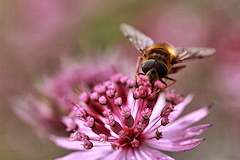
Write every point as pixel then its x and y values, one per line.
pixel 123 124
pixel 44 108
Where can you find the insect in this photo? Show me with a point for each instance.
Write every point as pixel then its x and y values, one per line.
pixel 158 59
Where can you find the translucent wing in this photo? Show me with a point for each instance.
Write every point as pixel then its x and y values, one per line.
pixel 138 39
pixel 185 54
pixel 176 69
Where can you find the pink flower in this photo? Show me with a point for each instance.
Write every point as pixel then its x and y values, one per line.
pixel 44 108
pixel 73 76
pixel 116 121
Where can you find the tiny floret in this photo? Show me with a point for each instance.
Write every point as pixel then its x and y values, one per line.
pixel 115 145
pixel 146 113
pixel 135 143
pixel 131 83
pixel 126 112
pixel 107 112
pixel 140 127
pixel 94 96
pixel 136 94
pixel 111 93
pixel 89 122
pixel 87 144
pixel 84 97
pixel 75 136
pixel 103 138
pixel 100 88
pixel 103 100
pixel 122 134
pixel 158 135
pixel 110 120
pixel 118 101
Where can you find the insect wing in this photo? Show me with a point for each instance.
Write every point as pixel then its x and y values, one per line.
pixel 177 69
pixel 185 54
pixel 138 39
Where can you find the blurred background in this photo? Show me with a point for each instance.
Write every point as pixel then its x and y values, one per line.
pixel 36 35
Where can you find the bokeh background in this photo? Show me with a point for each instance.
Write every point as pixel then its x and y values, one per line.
pixel 36 35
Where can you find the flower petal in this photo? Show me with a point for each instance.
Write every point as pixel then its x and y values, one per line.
pixel 180 107
pixel 71 156
pixel 133 105
pixel 140 155
pixel 161 102
pixel 186 133
pixel 83 128
pixel 154 154
pixel 112 154
pixel 175 146
pixel 130 100
pixel 156 111
pixel 64 142
pixel 158 107
pixel 91 154
pixel 187 120
pixel 130 154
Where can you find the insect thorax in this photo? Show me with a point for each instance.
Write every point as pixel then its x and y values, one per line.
pixel 159 54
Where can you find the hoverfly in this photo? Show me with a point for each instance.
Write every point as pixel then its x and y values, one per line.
pixel 158 59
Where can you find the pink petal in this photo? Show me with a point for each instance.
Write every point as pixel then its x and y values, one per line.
pixel 102 152
pixel 130 154
pixel 71 156
pixel 75 156
pixel 187 120
pixel 186 133
pixel 64 142
pixel 133 106
pixel 139 154
pixel 180 107
pixel 83 128
pixel 91 154
pixel 151 153
pixel 113 154
pixel 156 112
pixel 130 100
pixel 175 146
pixel 158 107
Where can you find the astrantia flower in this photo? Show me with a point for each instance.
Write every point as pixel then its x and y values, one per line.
pixel 117 122
pixel 44 108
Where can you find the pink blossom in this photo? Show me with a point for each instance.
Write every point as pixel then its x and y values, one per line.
pixel 136 127
pixel 44 109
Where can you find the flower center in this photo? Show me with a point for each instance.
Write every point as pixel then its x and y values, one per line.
pixel 120 116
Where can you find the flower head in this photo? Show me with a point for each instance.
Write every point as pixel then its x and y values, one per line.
pixel 44 108
pixel 126 123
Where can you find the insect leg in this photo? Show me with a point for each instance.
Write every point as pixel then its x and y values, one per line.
pixel 137 69
pixel 174 81
pixel 152 88
pixel 166 86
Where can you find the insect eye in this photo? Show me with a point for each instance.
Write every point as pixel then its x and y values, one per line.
pixel 147 65
pixel 158 65
pixel 161 69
